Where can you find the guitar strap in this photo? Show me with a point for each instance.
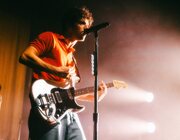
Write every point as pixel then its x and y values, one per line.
pixel 77 70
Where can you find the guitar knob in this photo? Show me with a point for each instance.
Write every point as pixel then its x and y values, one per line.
pixel 59 111
pixel 57 115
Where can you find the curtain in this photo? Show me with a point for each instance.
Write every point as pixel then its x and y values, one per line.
pixel 14 37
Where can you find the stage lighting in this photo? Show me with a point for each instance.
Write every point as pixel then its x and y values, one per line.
pixel 151 127
pixel 149 97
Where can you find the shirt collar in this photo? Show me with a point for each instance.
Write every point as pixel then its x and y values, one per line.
pixel 69 49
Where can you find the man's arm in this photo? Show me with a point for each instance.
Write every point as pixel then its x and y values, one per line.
pixel 30 57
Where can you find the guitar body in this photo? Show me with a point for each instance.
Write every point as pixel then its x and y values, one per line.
pixel 53 102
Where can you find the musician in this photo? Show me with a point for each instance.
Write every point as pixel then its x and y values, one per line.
pixel 50 56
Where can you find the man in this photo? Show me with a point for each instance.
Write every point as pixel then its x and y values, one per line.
pixel 50 56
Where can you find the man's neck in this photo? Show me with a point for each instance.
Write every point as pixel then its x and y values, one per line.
pixel 69 41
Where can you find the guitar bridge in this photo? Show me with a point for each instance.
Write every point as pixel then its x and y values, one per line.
pixel 43 101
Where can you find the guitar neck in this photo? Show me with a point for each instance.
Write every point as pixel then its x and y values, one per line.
pixel 87 90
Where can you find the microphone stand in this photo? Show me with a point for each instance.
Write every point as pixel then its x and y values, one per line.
pixel 95 73
pixel 94 61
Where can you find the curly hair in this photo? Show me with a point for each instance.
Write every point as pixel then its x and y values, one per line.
pixel 74 15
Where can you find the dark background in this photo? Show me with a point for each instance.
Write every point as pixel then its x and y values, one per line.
pixel 45 15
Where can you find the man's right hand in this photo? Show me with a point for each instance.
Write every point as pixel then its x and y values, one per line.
pixel 62 71
pixel 65 72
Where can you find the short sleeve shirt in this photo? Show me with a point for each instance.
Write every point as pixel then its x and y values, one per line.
pixel 53 50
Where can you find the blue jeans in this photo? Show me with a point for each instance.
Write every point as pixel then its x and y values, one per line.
pixel 69 128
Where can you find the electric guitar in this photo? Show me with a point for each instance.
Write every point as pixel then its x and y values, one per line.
pixel 53 103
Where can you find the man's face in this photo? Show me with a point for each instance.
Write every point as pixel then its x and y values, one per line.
pixel 78 29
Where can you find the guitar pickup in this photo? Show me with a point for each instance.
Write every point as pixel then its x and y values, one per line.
pixel 58 96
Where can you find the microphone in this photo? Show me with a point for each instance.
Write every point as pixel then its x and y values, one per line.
pixel 96 28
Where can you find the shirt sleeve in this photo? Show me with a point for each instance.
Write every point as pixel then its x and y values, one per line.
pixel 43 43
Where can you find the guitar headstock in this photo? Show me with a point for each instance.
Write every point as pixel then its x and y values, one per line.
pixel 119 84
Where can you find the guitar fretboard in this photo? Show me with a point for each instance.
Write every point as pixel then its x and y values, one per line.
pixel 86 90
